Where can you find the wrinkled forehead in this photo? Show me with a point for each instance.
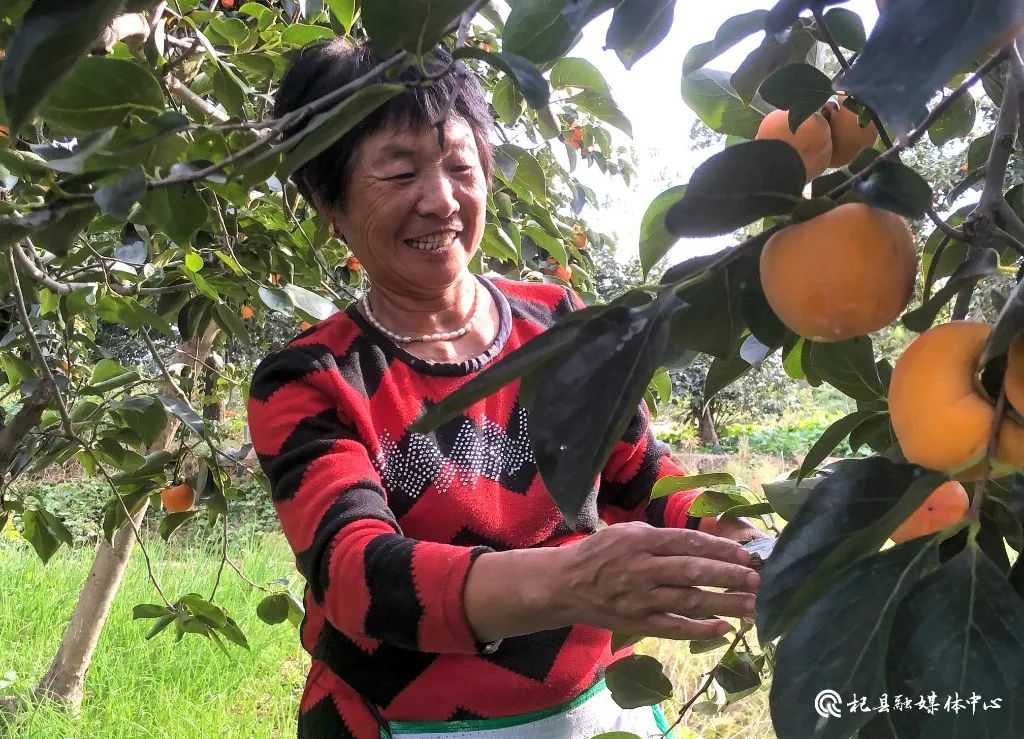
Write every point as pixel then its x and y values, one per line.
pixel 407 140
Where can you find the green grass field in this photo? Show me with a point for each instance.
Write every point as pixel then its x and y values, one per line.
pixel 138 689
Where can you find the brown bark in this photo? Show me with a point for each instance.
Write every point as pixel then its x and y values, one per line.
pixel 706 428
pixel 24 421
pixel 64 680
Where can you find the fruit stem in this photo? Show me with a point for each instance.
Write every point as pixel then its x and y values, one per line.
pixel 974 513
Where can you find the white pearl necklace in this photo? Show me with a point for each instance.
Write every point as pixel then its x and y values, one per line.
pixel 409 339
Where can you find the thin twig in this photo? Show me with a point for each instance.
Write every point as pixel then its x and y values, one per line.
pixel 703 688
pixel 33 340
pixel 993 442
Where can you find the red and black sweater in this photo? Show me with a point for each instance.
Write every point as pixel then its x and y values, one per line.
pixel 385 523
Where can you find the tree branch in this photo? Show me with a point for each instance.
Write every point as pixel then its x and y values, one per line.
pixel 63 288
pixel 184 93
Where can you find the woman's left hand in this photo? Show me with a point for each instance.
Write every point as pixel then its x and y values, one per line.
pixel 729 527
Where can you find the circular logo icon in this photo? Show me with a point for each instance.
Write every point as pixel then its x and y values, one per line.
pixel 827 703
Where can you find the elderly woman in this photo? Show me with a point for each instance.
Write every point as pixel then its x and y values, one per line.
pixel 446 595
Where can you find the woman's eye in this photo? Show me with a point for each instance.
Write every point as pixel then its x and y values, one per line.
pixel 402 176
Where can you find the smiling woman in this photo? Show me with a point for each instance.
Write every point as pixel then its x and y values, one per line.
pixel 446 594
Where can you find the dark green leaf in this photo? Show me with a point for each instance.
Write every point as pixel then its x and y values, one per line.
pixel 637 27
pixel 786 496
pixel 233 633
pixel 183 411
pixel 638 680
pixel 737 186
pixel 621 641
pixel 966 614
pixel 173 521
pixel 327 127
pixel 710 95
pixel 602 106
pixel 199 606
pixel 542 30
pixel 160 624
pixel 34 529
pixel 710 319
pixel 655 239
pixel 896 74
pixel 412 25
pixel 799 88
pixel 702 646
pixel 101 92
pixel 896 187
pixel 149 610
pixel 979 266
pixel 117 198
pixel 47 43
pixel 273 609
pixel 847 28
pixel 722 373
pixel 849 516
pixel 738 672
pixel 957 122
pixel 178 210
pixel 849 366
pixel 729 34
pixel 830 439
pixel 768 57
pixel 842 640
pixel 531 84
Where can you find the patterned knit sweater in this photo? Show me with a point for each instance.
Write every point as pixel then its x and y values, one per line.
pixel 385 523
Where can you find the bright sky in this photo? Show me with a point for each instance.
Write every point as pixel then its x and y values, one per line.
pixel 649 94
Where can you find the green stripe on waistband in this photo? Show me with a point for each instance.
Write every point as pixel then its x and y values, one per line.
pixel 447 727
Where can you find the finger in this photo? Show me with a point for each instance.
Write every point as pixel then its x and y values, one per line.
pixel 700 572
pixel 679 542
pixel 672 626
pixel 697 603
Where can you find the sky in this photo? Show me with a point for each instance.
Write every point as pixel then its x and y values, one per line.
pixel 649 95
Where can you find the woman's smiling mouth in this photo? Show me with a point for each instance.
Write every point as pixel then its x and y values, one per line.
pixel 434 241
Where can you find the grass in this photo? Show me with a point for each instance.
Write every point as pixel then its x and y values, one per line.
pixel 157 688
pixel 149 689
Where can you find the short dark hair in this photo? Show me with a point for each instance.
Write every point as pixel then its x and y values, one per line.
pixel 325 66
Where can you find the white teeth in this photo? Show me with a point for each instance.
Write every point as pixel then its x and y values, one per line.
pixel 433 241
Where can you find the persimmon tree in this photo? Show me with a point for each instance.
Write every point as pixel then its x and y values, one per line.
pixel 144 185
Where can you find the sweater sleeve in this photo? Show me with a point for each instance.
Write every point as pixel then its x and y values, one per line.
pixel 637 462
pixel 372 582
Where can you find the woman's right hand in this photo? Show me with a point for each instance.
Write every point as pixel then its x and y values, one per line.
pixel 638 579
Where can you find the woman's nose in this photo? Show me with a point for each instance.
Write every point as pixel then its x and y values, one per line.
pixel 437 196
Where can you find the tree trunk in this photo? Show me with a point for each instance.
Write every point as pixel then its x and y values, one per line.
pixel 211 411
pixel 706 428
pixel 64 680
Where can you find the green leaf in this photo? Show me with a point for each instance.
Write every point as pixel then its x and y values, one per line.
pixel 149 610
pixel 573 72
pixel 896 75
pixel 101 92
pixel 713 503
pixel 850 515
pixel 233 633
pixel 896 187
pixel 637 27
pixel 160 624
pixel 703 646
pixel 830 439
pixel 956 122
pixel 117 198
pixel 842 640
pixel 273 609
pixel 602 107
pixel 412 25
pixel 738 672
pixel 34 528
pixel 313 305
pixel 183 411
pixel 729 34
pixel 849 366
pixel 327 127
pixel 737 186
pixel 621 641
pixel 637 680
pixel 786 496
pixel 540 31
pixel 230 322
pixel 508 102
pixel 199 606
pixel 965 613
pixel 675 483
pixel 344 11
pixel 302 34
pixel 178 210
pixel 722 373
pixel 173 521
pixel 529 81
pixel 799 88
pixel 277 300
pixel 710 95
pixel 527 358
pixel 528 176
pixel 983 264
pixel 47 43
pixel 614 355
pixel 655 239
pixel 847 28
pixel 768 57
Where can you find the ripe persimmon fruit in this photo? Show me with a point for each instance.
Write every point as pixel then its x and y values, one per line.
pixel 579 239
pixel 353 264
pixel 946 505
pixel 1014 381
pixel 562 272
pixel 178 498
pixel 844 273
pixel 849 138
pixel 305 325
pixel 246 312
pixel 940 413
pixel 812 140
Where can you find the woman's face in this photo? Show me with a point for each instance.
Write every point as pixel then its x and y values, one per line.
pixel 414 213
